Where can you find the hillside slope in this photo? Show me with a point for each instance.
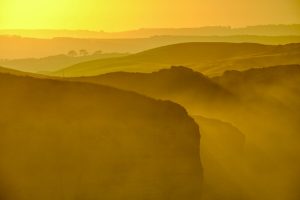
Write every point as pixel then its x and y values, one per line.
pixel 13 47
pixel 180 84
pixel 263 103
pixel 222 155
pixel 280 82
pixel 270 119
pixel 208 58
pixel 221 143
pixel 5 70
pixel 66 140
pixel 52 63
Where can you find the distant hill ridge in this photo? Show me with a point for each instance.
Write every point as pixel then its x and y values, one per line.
pixel 15 47
pixel 271 30
pixel 52 63
pixel 5 70
pixel 208 58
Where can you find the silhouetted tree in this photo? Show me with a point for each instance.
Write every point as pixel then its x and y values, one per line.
pixel 99 52
pixel 72 53
pixel 83 52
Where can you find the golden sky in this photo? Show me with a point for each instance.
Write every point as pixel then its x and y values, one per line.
pixel 118 15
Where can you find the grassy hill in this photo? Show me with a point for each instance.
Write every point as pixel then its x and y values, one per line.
pixel 208 58
pixel 5 70
pixel 14 47
pixel 11 71
pixel 67 140
pixel 52 63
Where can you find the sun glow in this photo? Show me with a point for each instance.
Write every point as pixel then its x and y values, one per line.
pixel 116 15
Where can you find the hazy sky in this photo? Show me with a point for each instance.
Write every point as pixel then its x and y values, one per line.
pixel 117 15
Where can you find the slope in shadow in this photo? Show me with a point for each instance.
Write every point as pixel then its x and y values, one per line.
pixel 222 151
pixel 66 140
pixel 221 145
pixel 262 103
pixel 270 120
pixel 180 84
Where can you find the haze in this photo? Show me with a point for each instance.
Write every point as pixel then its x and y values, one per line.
pixel 149 99
pixel 117 15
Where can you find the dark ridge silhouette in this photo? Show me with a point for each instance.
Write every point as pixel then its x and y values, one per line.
pixel 266 75
pixel 179 84
pixel 281 82
pixel 208 58
pixel 67 140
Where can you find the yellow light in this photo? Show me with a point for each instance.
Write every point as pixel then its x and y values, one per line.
pixel 116 15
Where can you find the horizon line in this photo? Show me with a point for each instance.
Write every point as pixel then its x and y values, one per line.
pixel 146 28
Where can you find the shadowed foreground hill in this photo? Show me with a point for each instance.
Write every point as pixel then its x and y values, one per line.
pixel 208 58
pixel 221 145
pixel 66 140
pixel 267 113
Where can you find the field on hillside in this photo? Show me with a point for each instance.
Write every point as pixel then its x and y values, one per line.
pixel 209 58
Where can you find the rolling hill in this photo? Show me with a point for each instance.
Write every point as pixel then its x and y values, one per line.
pixel 10 71
pixel 5 70
pixel 52 63
pixel 262 103
pixel 277 84
pixel 230 142
pixel 14 47
pixel 182 85
pixel 208 58
pixel 221 143
pixel 67 140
